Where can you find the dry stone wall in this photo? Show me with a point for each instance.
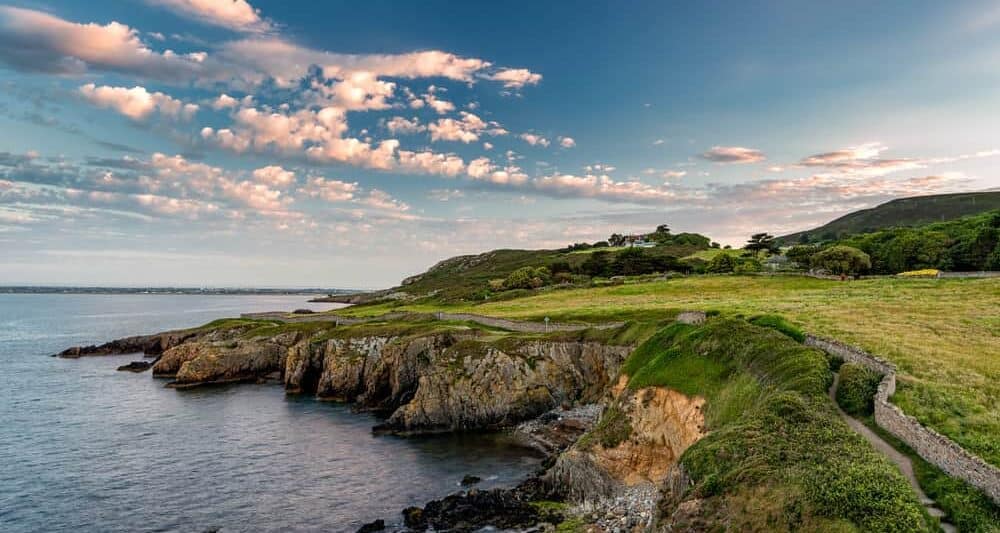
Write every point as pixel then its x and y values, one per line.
pixel 934 447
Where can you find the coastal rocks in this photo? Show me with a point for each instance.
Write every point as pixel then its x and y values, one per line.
pixel 136 366
pixel 146 344
pixel 613 471
pixel 557 430
pixel 470 480
pixel 477 509
pixel 451 381
pixel 479 385
pixel 371 527
pixel 237 359
pixel 663 424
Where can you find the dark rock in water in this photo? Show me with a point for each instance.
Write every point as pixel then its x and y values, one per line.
pixel 303 312
pixel 473 510
pixel 371 527
pixel 470 480
pixel 414 518
pixel 136 366
pixel 147 344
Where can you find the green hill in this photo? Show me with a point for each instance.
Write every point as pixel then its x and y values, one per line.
pixel 903 212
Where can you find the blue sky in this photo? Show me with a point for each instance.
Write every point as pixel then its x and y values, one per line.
pixel 213 142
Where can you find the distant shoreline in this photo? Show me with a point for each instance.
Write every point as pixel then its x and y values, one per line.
pixel 209 291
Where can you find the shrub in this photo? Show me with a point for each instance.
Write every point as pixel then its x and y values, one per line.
pixel 802 254
pixel 496 284
pixel 747 265
pixel 721 264
pixel 842 260
pixel 856 392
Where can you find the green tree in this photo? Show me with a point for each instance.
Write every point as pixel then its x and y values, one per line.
pixel 521 278
pixel 596 265
pixel 802 254
pixel 842 260
pixel 721 264
pixel 761 242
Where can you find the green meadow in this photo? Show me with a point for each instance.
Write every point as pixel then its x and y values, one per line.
pixel 944 335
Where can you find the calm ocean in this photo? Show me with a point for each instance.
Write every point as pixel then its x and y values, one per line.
pixel 86 448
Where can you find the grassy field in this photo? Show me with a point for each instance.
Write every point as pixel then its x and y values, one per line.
pixel 707 255
pixel 943 334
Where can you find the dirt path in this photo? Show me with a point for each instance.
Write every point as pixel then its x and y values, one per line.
pixel 502 323
pixel 901 461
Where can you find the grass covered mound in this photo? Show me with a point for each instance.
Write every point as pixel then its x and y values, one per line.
pixel 857 388
pixel 777 456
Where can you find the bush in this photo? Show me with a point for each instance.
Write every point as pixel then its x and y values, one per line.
pixel 842 260
pixel 721 264
pixel 779 323
pixel 802 255
pixel 856 392
pixel 747 265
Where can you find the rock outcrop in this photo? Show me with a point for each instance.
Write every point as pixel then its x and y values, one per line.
pixel 151 345
pixel 447 381
pixel 439 380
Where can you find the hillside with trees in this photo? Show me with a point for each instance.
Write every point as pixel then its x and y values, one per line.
pixel 903 212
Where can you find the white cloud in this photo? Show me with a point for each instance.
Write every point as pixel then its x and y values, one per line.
pixel 733 154
pixel 441 107
pixel 534 140
pixel 465 130
pixel 330 190
pixel 274 176
pixel 358 91
pixel 665 174
pixel 380 199
pixel 257 58
pixel 404 126
pixel 603 187
pixel 427 162
pixel 137 103
pixel 37 41
pixel 567 142
pixel 233 14
pixel 445 195
pixel 515 78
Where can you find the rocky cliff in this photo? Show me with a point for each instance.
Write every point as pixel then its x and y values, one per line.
pixel 423 378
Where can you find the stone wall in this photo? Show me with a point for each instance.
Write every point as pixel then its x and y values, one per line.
pixel 929 444
pixel 980 274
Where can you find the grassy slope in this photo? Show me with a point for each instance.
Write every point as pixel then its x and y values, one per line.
pixel 902 212
pixel 943 334
pixel 461 278
pixel 778 457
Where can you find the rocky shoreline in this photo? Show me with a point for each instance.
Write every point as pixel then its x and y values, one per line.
pixel 552 391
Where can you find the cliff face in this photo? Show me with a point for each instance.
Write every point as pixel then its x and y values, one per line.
pixel 451 382
pixel 438 380
pixel 640 437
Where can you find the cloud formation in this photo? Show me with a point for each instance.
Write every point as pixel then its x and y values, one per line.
pixel 733 155
pixel 35 41
pixel 236 15
pixel 137 103
pixel 515 78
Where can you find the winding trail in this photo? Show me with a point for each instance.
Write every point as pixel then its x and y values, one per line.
pixel 502 323
pixel 903 462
